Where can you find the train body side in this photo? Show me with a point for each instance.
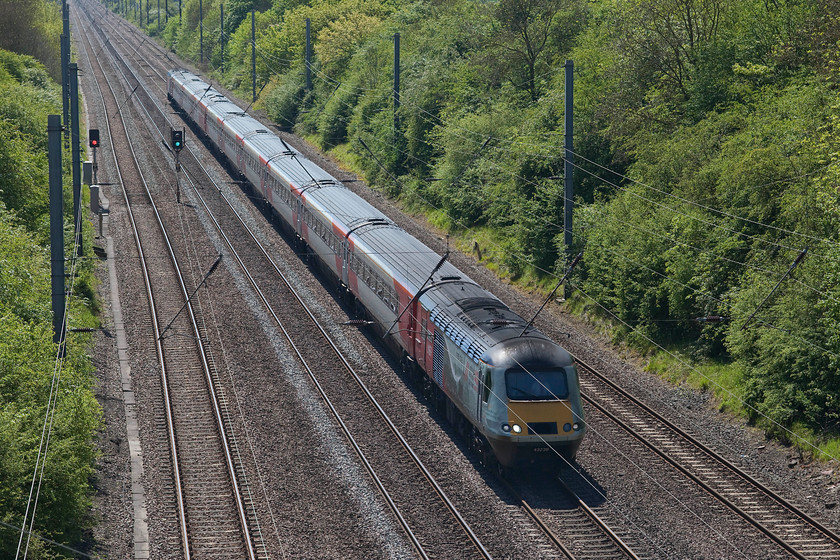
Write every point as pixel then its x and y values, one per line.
pixel 466 342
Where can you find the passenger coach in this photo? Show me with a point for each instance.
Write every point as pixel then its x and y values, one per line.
pixel 513 392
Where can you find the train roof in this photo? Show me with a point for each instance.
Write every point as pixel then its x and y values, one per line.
pixel 472 317
pixel 264 142
pixel 407 259
pixel 300 172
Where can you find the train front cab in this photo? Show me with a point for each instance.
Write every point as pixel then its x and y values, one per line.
pixel 532 414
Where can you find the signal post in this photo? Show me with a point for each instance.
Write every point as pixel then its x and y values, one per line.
pixel 177 146
pixel 95 204
pixel 93 141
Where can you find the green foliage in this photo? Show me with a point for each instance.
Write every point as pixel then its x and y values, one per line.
pixel 283 96
pixel 338 40
pixel 32 27
pixel 27 353
pixel 334 118
pixel 529 34
pixel 27 364
pixel 26 98
pixel 238 11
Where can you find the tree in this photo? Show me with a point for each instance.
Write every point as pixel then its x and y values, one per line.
pixel 237 10
pixel 669 33
pixel 525 31
pixel 32 27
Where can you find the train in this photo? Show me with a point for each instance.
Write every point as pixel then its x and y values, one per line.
pixel 512 392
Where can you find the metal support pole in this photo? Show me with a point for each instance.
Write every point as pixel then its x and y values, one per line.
pixel 76 158
pixel 65 87
pixel 200 32
pixel 166 12
pixel 308 56
pixel 65 97
pixel 568 166
pixel 158 17
pixel 253 57
pixel 179 11
pixel 222 33
pixel 56 226
pixel 95 167
pixel 396 80
pixel 178 176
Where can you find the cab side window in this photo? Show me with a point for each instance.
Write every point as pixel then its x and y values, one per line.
pixel 488 386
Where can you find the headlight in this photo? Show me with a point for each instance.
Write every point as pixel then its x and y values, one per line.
pixel 567 427
pixel 505 428
pixel 517 429
pixel 576 426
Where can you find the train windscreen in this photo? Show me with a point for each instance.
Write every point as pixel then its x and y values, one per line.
pixel 536 385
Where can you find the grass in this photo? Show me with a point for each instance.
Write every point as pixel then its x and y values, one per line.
pixel 722 380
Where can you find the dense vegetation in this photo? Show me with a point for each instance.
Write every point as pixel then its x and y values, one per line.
pixel 27 352
pixel 706 150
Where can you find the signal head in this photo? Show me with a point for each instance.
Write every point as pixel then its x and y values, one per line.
pixel 177 140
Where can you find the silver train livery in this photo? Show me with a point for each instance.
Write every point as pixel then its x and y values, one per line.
pixel 511 391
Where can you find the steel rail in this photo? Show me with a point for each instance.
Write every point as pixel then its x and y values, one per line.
pixel 533 514
pixel 200 344
pixel 536 518
pixel 354 444
pixel 712 454
pixel 600 522
pixel 183 528
pixel 424 470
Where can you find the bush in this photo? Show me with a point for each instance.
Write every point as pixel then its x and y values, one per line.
pixel 282 101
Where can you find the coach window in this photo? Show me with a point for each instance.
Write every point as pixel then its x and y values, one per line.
pixel 488 386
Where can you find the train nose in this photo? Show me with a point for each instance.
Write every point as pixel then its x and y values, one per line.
pixel 541 418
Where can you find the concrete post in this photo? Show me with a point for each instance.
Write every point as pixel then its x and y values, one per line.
pixel 253 57
pixel 200 32
pixel 396 80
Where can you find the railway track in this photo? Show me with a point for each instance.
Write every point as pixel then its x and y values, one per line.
pixel 471 537
pixel 594 531
pixel 785 524
pixel 576 528
pixel 309 342
pixel 211 514
pixel 790 529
